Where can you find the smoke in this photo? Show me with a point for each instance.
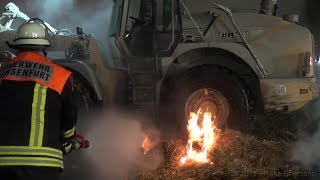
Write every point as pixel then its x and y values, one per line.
pixel 57 8
pixel 116 153
pixel 93 16
pixel 306 150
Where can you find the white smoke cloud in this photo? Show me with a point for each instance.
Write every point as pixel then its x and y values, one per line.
pixel 306 150
pixel 93 16
pixel 115 151
pixel 50 10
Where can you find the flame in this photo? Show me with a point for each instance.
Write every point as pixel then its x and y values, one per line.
pixel 146 145
pixel 203 136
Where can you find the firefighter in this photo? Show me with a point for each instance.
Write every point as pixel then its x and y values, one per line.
pixel 37 113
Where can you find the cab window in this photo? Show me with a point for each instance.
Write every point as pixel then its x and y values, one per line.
pixel 115 17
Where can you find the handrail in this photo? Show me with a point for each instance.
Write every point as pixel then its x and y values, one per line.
pixel 193 21
pixel 173 26
pixel 259 64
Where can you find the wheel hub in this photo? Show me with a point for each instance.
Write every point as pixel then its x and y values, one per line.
pixel 209 100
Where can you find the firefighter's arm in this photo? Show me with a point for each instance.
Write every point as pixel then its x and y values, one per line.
pixel 69 116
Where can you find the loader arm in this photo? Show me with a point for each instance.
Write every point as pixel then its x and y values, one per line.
pixel 82 68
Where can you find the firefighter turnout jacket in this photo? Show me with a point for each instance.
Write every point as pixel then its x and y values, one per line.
pixel 36 112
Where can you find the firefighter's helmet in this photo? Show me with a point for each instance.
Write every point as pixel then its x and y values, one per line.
pixel 31 33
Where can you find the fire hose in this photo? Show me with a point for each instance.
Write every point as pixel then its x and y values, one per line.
pixel 79 142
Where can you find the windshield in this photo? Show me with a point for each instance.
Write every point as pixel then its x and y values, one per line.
pixel 167 13
pixel 115 17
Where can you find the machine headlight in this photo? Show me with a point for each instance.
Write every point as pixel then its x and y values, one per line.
pixel 308 63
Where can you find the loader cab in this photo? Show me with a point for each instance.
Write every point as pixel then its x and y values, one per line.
pixel 146 28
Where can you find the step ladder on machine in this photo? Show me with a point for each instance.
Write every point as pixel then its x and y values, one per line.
pixel 143 79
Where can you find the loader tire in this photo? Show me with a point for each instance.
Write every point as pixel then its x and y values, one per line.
pixel 216 90
pixel 83 96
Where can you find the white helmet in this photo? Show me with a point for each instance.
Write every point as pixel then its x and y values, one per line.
pixel 31 33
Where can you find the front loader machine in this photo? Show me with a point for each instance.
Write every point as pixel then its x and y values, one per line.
pixel 183 55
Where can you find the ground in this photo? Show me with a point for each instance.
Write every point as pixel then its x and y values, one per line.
pixel 234 155
pixel 265 154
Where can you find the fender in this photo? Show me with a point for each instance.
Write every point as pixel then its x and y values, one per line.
pixel 185 61
pixel 85 70
pixel 233 48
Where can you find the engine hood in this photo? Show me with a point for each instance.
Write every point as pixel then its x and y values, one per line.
pixel 254 24
pixel 280 45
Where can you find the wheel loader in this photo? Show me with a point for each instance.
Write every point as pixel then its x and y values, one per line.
pixel 168 58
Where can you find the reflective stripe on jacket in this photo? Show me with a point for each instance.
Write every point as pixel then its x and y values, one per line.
pixel 30 156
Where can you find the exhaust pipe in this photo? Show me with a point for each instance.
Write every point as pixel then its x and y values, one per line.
pixel 269 7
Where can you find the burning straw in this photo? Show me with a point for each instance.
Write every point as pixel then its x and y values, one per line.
pixel 234 154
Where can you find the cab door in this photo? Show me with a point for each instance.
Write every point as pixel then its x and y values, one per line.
pixel 150 28
pixel 137 28
pixel 168 28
